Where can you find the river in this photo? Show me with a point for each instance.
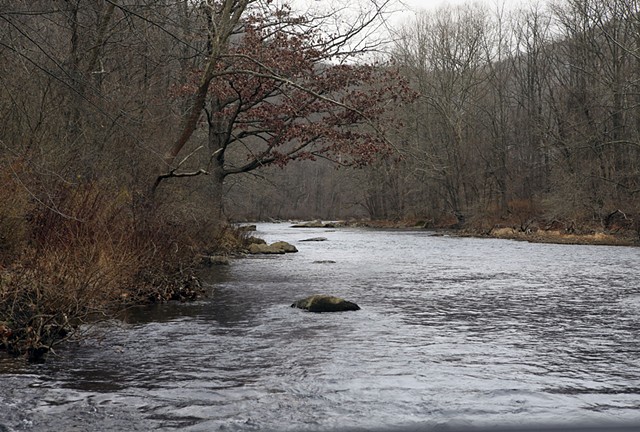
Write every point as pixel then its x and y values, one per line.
pixel 453 333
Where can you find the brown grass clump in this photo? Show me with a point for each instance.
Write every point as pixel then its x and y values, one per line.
pixel 77 253
pixel 229 239
pixel 14 205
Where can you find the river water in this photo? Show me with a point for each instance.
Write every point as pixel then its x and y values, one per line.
pixel 453 333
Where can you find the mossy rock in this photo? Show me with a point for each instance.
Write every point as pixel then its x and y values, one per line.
pixel 256 249
pixel 287 247
pixel 325 303
pixel 280 247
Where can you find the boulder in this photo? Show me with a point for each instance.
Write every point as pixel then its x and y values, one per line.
pixel 315 239
pixel 325 303
pixel 256 249
pixel 274 248
pixel 287 247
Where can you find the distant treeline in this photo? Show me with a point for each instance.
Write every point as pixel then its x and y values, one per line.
pixel 521 116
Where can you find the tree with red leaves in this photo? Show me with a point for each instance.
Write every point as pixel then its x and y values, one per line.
pixel 275 88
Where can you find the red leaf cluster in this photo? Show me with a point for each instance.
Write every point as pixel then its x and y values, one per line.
pixel 277 86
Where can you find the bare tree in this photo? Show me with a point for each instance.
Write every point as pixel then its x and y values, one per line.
pixel 270 92
pixel 443 52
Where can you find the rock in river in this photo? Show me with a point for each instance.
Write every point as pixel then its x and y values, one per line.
pixel 311 224
pixel 274 248
pixel 287 247
pixel 325 303
pixel 264 249
pixel 316 224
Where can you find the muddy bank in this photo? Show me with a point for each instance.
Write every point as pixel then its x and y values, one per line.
pixel 550 233
pixel 556 236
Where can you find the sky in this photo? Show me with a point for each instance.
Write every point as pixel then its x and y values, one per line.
pixel 494 7
pixel 416 5
pixel 407 8
pixel 433 4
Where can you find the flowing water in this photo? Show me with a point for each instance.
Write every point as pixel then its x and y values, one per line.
pixel 453 332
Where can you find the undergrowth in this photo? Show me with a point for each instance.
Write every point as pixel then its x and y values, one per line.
pixel 75 252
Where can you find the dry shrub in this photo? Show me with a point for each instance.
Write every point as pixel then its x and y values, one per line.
pixel 83 256
pixel 229 239
pixel 14 206
pixel 523 213
pixel 75 251
pixel 166 256
pixel 486 217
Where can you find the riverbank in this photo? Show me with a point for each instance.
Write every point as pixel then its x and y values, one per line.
pixel 592 237
pixel 89 255
pixel 59 282
pixel 46 297
pixel 542 232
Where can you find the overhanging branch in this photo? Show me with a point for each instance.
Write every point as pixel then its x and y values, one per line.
pixel 276 77
pixel 174 173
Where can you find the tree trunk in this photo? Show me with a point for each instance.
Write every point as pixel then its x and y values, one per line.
pixel 217 140
pixel 215 187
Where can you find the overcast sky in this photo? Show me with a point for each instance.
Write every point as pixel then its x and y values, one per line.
pixel 407 8
pixel 413 6
pixel 432 4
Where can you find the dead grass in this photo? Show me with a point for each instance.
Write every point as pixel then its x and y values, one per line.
pixel 562 237
pixel 74 252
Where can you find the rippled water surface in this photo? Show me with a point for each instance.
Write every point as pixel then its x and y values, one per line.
pixel 452 332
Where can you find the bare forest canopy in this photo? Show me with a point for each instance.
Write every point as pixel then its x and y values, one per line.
pixel 471 114
pixel 521 116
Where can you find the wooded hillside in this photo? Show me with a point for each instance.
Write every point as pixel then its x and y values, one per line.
pixel 522 116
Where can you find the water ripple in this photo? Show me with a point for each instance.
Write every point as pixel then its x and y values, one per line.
pixel 452 332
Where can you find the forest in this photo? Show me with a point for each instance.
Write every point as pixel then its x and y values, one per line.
pixel 134 131
pixel 521 117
